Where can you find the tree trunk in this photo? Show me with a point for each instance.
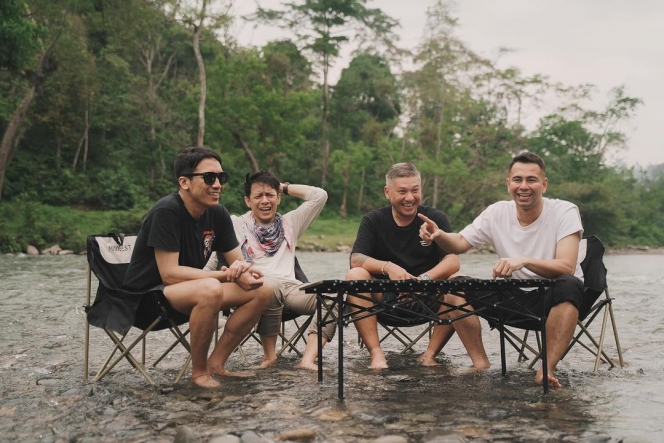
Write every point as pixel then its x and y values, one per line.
pixel 87 140
pixel 11 131
pixel 82 144
pixel 58 151
pixel 325 142
pixel 203 80
pixel 360 195
pixel 251 158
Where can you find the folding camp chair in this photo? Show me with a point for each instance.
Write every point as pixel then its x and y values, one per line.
pixel 289 340
pixel 114 310
pixel 395 327
pixel 591 255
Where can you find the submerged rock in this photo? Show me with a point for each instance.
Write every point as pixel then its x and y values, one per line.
pixel 297 435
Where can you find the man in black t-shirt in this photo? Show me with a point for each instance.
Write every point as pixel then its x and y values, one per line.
pixel 388 245
pixel 175 241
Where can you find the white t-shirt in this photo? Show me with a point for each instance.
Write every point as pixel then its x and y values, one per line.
pixel 498 226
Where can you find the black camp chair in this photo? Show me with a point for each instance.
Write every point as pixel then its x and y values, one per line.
pixel 115 310
pixel 396 324
pixel 591 258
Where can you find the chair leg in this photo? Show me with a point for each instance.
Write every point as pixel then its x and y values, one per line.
pixel 291 343
pixel 179 340
pixel 615 332
pixel 183 369
pixel 86 351
pixel 126 353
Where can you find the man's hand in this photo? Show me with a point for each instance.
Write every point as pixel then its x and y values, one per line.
pixel 396 272
pixel 505 267
pixel 428 229
pixel 252 278
pixel 235 270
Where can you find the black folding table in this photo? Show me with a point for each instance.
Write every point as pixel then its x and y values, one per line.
pixel 334 292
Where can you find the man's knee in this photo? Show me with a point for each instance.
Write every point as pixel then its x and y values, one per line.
pixel 358 274
pixel 210 293
pixel 266 295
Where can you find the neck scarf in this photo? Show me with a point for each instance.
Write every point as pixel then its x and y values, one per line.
pixel 262 241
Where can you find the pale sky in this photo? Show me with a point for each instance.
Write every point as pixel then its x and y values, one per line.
pixel 607 43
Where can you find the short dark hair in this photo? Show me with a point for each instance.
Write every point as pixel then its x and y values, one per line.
pixel 260 177
pixel 528 157
pixel 188 159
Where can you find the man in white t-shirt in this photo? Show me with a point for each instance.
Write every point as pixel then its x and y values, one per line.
pixel 534 237
pixel 267 240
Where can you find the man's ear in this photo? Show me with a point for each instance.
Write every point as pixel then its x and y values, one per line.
pixel 183 182
pixel 246 202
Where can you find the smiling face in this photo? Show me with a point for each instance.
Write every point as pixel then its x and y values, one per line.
pixel 263 202
pixel 197 195
pixel 526 184
pixel 404 194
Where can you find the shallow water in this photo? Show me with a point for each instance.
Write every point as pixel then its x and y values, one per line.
pixel 44 396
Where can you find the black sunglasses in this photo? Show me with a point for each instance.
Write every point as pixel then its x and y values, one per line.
pixel 210 177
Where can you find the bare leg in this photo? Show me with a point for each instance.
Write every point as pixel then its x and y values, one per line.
pixel 310 353
pixel 560 326
pixel 237 327
pixel 367 328
pixel 470 333
pixel 269 351
pixel 439 338
pixel 203 307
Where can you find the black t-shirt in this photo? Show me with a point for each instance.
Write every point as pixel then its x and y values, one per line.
pixel 381 238
pixel 169 226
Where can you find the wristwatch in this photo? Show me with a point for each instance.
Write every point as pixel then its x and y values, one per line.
pixel 284 188
pixel 425 277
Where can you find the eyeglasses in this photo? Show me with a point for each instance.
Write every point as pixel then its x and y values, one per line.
pixel 210 177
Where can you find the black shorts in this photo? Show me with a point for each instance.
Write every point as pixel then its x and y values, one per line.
pixel 414 309
pixel 152 307
pixel 567 289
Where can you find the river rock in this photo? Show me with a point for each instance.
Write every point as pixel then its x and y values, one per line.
pixel 297 435
pixel 443 436
pixel 332 416
pixel 229 438
pixel 53 250
pixel 252 437
pixel 31 250
pixel 390 439
pixel 185 434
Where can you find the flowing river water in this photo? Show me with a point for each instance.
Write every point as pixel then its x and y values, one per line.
pixel 45 399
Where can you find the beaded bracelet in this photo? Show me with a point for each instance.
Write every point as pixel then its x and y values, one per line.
pixel 382 270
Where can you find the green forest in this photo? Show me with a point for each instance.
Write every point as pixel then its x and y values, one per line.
pixel 97 97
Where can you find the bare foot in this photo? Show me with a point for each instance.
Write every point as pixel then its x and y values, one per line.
pixel 426 360
pixel 225 373
pixel 472 370
pixel 266 363
pixel 205 380
pixel 554 383
pixel 309 366
pixel 378 362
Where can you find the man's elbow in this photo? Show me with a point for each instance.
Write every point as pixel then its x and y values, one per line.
pixel 356 261
pixel 168 278
pixel 455 264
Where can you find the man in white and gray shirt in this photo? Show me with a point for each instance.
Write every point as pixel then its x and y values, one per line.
pixel 267 240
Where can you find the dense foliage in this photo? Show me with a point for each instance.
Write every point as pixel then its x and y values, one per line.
pixel 97 96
